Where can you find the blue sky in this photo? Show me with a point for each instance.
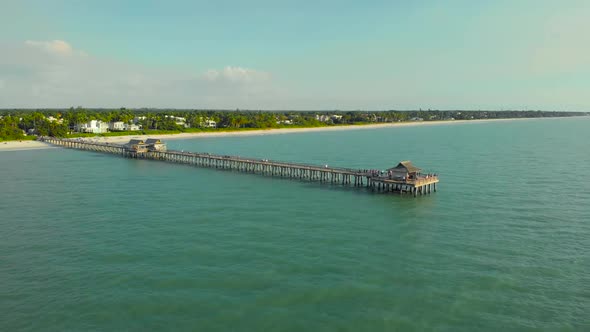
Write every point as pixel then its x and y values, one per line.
pixel 296 54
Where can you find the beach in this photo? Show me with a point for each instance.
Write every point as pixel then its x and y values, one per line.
pixel 32 145
pixel 23 145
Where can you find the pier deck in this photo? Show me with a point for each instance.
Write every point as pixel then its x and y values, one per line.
pixel 415 183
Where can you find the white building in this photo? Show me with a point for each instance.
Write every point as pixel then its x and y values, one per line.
pixel 326 118
pixel 117 126
pixel 178 120
pixel 93 126
pixel 122 126
pixel 131 127
pixel 207 123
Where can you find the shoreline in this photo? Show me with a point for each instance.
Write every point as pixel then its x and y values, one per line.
pixel 34 145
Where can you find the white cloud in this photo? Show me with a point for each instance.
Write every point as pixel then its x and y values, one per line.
pixel 236 74
pixel 58 47
pixel 56 74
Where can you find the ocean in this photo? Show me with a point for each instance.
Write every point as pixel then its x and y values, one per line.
pixel 95 242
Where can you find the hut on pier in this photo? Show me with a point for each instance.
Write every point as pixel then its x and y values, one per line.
pixel 154 144
pixel 136 145
pixel 405 170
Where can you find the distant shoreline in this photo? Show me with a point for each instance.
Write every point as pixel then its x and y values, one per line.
pixel 33 145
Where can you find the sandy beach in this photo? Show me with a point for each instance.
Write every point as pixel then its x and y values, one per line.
pixel 23 145
pixel 32 145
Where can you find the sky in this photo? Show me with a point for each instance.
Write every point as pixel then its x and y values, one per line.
pixel 296 55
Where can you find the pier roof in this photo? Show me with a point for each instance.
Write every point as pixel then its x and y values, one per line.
pixel 153 141
pixel 406 166
pixel 136 142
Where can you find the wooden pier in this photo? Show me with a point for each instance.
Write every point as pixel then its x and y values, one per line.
pixel 404 178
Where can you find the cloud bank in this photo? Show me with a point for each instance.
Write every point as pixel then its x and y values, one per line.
pixel 56 74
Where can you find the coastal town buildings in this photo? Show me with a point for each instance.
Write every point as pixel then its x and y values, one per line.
pixel 100 127
pixel 327 118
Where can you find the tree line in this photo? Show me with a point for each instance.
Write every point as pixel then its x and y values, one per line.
pixel 15 124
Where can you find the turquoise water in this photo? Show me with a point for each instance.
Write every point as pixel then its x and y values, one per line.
pixel 93 242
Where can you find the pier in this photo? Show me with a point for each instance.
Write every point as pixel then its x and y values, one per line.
pixel 404 178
